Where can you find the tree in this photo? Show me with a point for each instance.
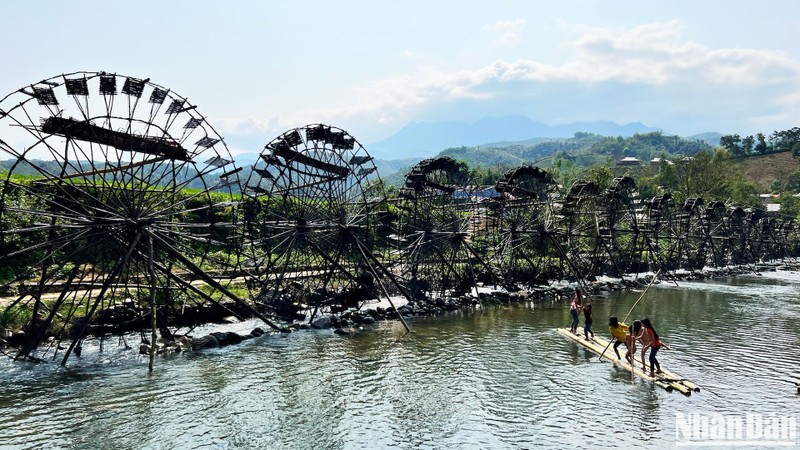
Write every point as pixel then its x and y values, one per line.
pixel 747 145
pixel 564 171
pixel 487 176
pixel 784 141
pixel 708 176
pixel 731 143
pixel 742 192
pixel 647 186
pixel 761 148
pixel 793 182
pixel 601 175
pixel 790 206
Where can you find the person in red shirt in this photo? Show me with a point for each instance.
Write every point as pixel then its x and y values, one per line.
pixel 651 340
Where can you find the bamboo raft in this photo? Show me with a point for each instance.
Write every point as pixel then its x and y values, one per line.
pixel 666 380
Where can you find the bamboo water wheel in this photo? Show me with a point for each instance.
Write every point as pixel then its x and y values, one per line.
pixel 619 232
pixel 579 229
pixel 116 199
pixel 436 212
pixel 523 231
pixel 717 230
pixel 317 223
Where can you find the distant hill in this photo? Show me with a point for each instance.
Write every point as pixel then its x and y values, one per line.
pixel 765 169
pixel 710 138
pixel 531 151
pixel 246 159
pixel 386 167
pixel 188 176
pixel 426 139
pixel 582 149
pixel 504 141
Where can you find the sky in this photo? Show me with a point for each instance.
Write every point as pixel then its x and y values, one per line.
pixel 258 68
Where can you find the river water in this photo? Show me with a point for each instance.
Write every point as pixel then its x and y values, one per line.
pixel 501 378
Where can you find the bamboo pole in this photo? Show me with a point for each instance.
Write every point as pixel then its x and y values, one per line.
pixel 631 310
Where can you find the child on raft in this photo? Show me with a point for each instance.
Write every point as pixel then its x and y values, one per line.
pixel 618 332
pixel 651 340
pixel 634 334
pixel 587 321
pixel 574 309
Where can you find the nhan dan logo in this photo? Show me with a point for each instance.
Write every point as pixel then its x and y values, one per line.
pixel 695 429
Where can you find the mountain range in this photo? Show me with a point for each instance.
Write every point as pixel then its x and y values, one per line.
pixel 495 135
pixel 426 139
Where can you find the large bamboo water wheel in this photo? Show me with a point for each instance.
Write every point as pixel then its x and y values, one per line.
pixel 436 209
pixel 718 231
pixel 579 230
pixel 765 237
pixel 657 219
pixel 785 228
pixel 317 222
pixel 738 235
pixel 116 205
pixel 690 238
pixel 523 227
pixel 619 234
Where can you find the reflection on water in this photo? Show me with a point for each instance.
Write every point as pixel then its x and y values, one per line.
pixel 501 378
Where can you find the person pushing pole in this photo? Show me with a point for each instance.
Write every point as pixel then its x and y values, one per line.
pixel 655 276
pixel 619 331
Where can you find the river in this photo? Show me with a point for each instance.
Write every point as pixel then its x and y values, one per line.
pixel 501 378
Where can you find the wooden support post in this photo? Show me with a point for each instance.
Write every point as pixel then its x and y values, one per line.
pixel 368 254
pixel 153 321
pixel 211 281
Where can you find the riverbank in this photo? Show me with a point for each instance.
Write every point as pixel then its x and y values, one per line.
pixel 354 321
pixel 561 291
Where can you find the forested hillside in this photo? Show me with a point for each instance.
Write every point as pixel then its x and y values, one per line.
pixel 582 150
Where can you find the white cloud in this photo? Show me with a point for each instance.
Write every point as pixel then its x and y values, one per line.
pixel 507 31
pixel 788 111
pixel 657 54
pixel 652 54
pixel 247 125
pixel 649 61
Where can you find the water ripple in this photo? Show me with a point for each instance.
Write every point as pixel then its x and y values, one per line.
pixel 500 378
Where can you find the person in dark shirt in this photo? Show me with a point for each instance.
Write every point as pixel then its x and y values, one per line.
pixel 587 321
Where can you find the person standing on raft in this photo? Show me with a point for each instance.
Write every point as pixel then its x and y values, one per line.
pixel 619 333
pixel 634 334
pixel 651 340
pixel 587 321
pixel 574 309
